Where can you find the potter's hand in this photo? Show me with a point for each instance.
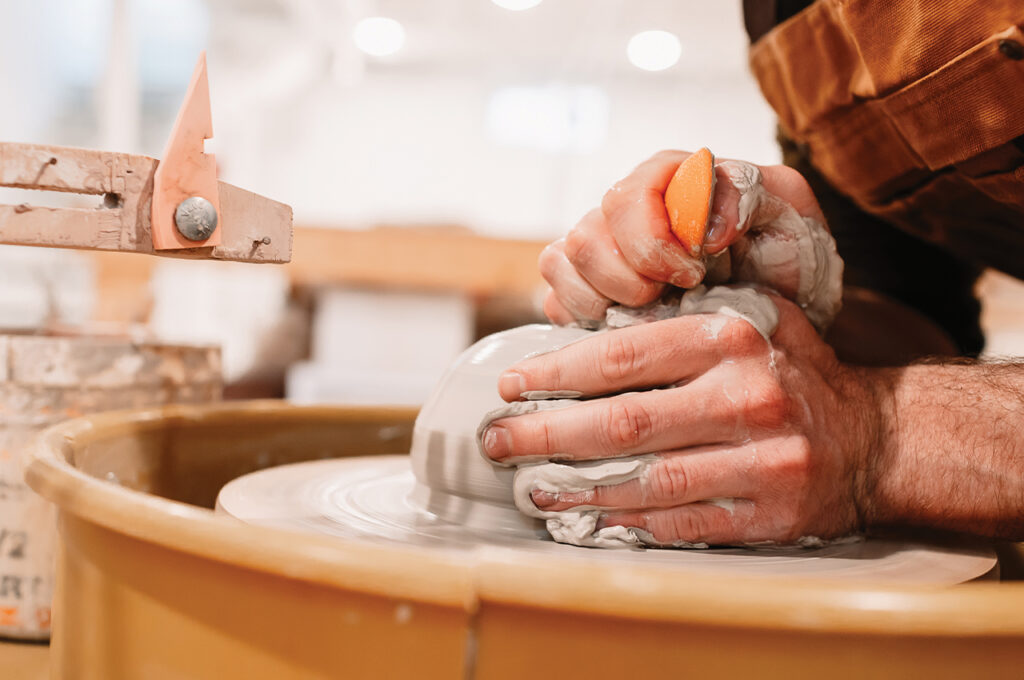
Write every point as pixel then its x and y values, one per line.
pixel 624 252
pixel 783 433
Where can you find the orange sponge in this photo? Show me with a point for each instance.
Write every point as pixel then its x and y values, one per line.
pixel 688 200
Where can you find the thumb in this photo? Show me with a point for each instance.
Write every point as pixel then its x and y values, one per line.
pixel 789 247
pixel 738 191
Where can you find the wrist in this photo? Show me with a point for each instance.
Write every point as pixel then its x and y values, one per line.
pixel 870 394
pixel 941 447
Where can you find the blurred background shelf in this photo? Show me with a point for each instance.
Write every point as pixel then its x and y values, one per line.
pixel 370 290
pixel 421 258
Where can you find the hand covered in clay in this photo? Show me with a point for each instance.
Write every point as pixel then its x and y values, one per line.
pixel 764 227
pixel 750 442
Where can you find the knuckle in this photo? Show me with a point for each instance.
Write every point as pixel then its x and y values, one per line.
pixel 596 309
pixel 539 439
pixel 647 264
pixel 667 482
pixel 769 405
pixel 689 275
pixel 614 199
pixel 545 373
pixel 640 295
pixel 666 155
pixel 688 525
pixel 620 358
pixel 792 490
pixel 547 439
pixel 592 221
pixel 799 464
pixel 576 244
pixel 548 261
pixel 742 339
pixel 555 310
pixel 628 424
pixel 786 171
pixel 791 177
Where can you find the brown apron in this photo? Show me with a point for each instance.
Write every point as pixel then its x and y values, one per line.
pixel 914 109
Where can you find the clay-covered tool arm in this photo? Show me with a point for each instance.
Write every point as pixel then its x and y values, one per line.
pixel 253 228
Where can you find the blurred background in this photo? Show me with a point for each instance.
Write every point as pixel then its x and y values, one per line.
pixel 428 149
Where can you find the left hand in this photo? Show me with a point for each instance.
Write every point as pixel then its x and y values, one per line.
pixel 623 252
pixel 784 431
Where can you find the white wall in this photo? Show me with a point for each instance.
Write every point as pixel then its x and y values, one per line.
pixel 406 140
pixel 407 149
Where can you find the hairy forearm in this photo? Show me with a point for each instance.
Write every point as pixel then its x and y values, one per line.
pixel 948 448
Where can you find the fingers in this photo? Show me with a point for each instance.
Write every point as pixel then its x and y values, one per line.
pixel 635 212
pixel 627 248
pixel 575 295
pixel 789 185
pixel 656 171
pixel 556 311
pixel 639 357
pixel 782 250
pixel 795 334
pixel 594 253
pixel 719 408
pixel 782 182
pixel 712 523
pixel 723 224
pixel 674 479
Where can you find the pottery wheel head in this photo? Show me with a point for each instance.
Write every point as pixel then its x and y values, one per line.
pixel 376 499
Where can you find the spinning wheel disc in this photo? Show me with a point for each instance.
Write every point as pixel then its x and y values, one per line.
pixel 376 498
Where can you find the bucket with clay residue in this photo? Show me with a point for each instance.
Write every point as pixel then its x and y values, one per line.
pixel 45 379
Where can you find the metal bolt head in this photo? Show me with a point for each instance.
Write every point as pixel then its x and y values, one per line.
pixel 195 218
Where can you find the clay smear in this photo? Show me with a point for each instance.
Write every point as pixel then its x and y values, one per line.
pixel 579 525
pixel 784 250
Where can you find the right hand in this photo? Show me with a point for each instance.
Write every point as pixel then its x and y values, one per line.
pixel 624 252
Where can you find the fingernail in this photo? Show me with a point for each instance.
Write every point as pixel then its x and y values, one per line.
pixel 512 384
pixel 716 234
pixel 496 442
pixel 543 499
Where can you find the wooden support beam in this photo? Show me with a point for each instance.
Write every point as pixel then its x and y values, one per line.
pixel 426 258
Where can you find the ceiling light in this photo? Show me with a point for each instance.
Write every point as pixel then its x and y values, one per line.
pixel 378 36
pixel 516 5
pixel 654 50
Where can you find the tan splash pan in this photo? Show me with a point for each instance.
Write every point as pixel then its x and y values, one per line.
pixel 152 584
